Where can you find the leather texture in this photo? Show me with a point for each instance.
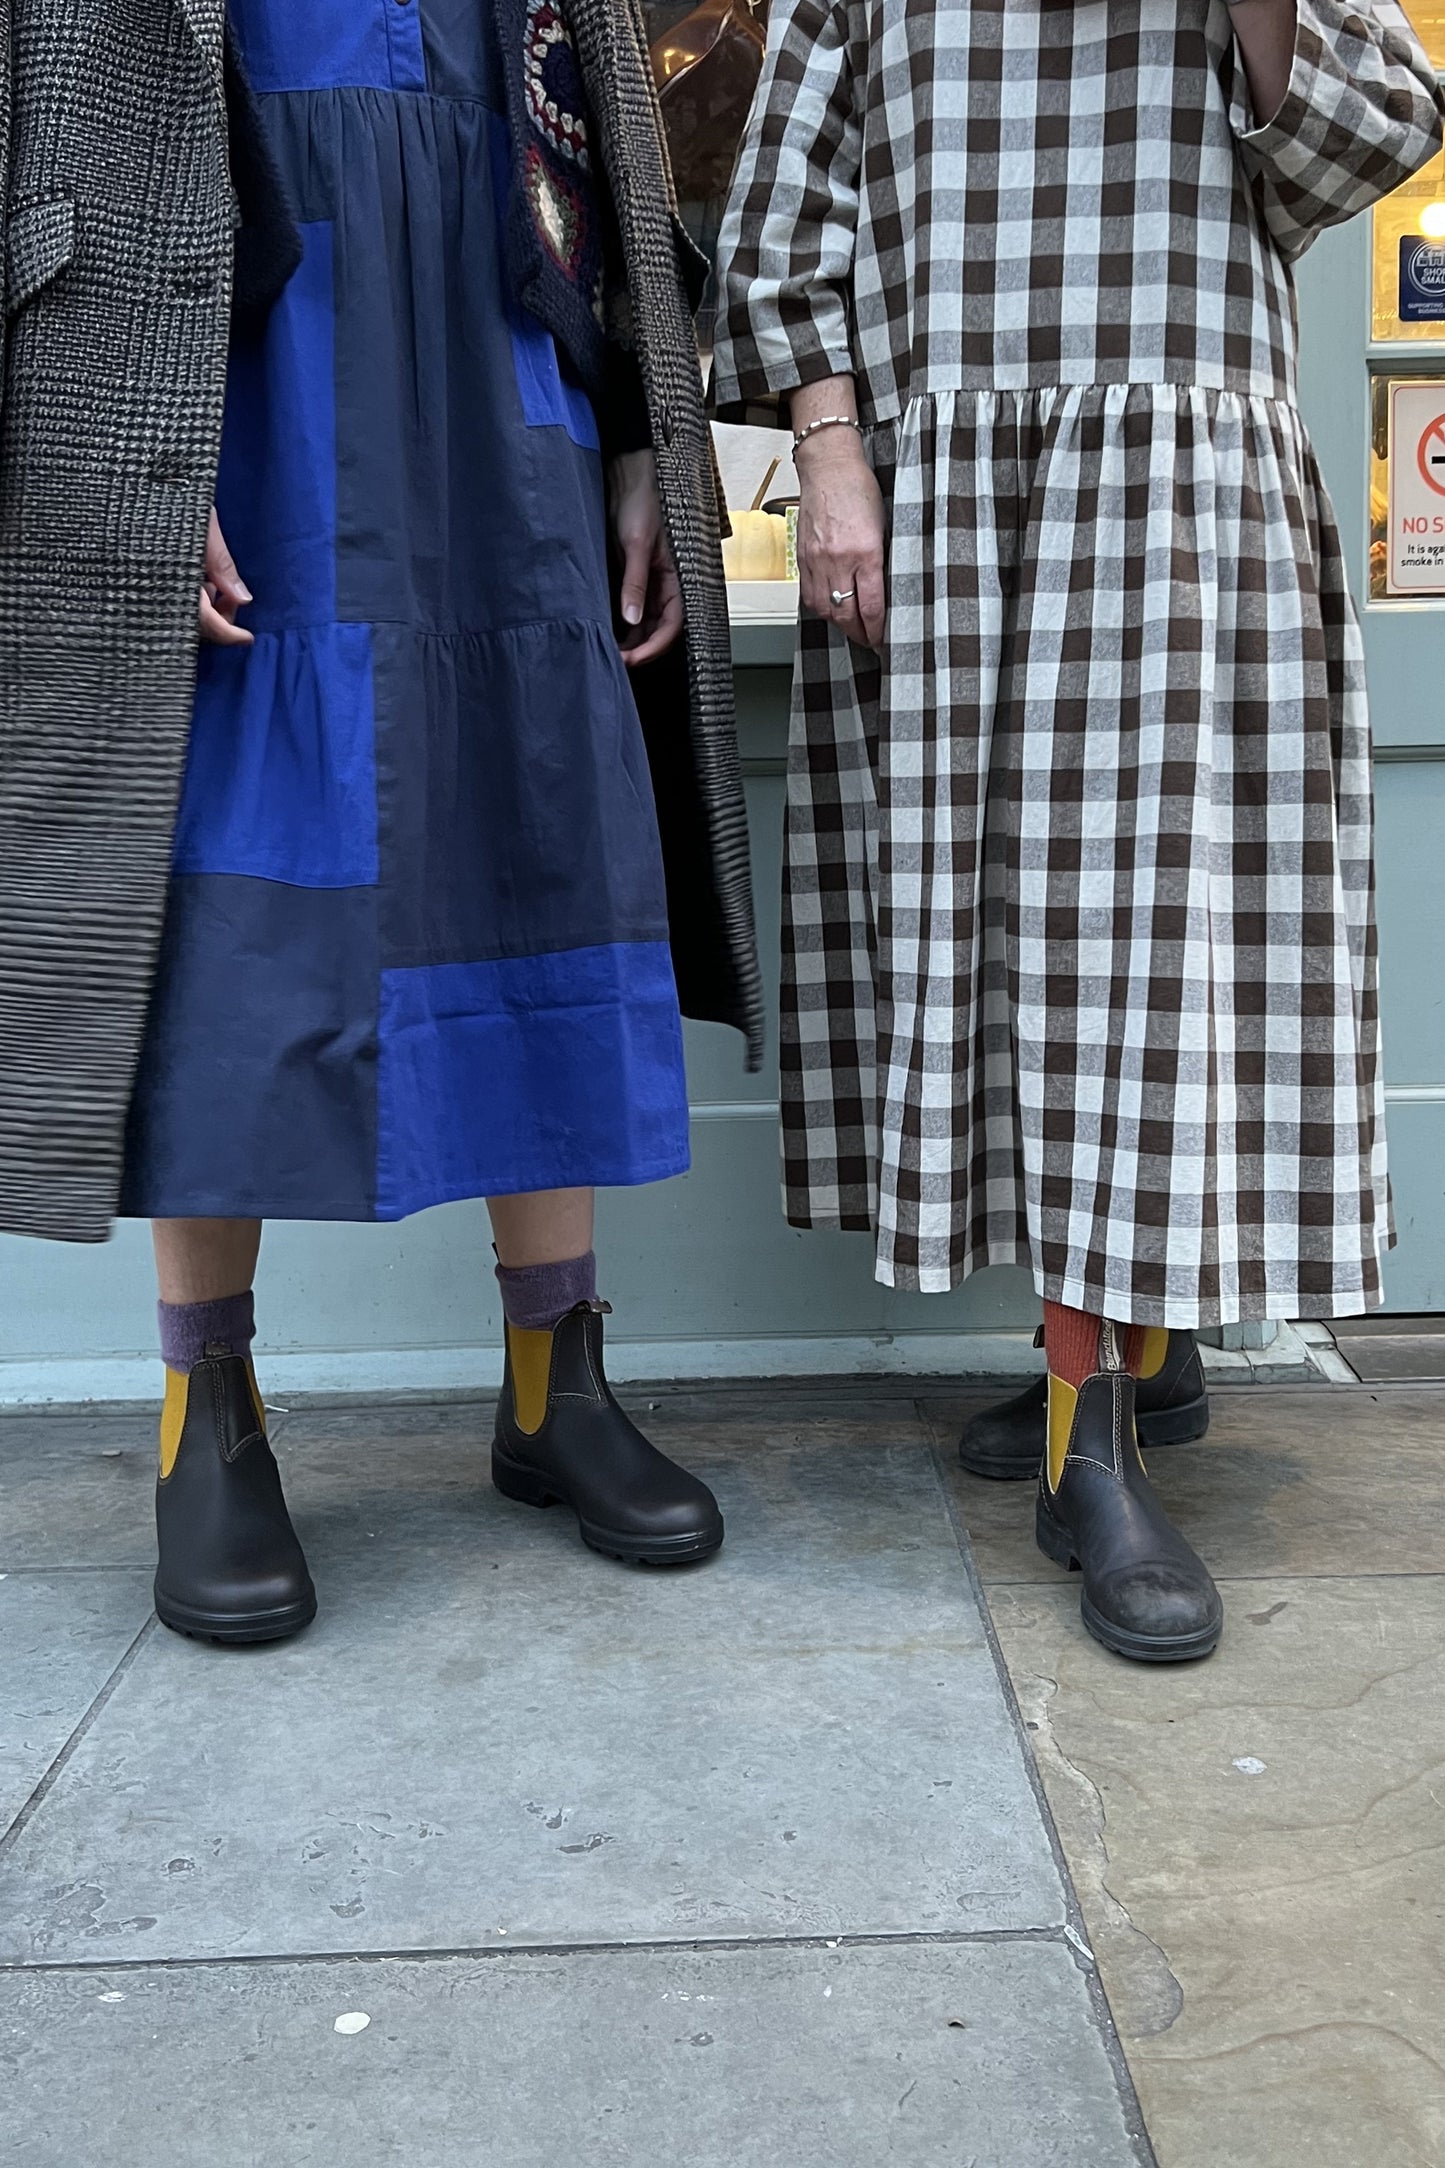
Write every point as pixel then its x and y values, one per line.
pixel 1146 1592
pixel 1172 1408
pixel 631 1501
pixel 231 1567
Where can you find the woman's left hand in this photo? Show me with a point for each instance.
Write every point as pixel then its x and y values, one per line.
pixel 651 593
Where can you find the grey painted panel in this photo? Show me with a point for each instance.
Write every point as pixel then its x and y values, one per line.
pixel 712 1256
pixel 1333 287
pixel 1415 1272
pixel 62 1637
pixel 738 2059
pixel 1410 801
pixel 489 1729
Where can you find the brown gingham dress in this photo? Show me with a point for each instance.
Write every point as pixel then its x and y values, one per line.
pixel 1079 941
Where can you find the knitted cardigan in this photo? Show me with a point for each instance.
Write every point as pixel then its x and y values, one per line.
pixel 564 256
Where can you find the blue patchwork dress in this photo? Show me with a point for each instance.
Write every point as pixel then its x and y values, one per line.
pixel 417 943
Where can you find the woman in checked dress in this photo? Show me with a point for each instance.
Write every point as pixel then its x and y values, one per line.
pixel 1080 949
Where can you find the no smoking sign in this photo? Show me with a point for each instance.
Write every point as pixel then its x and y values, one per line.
pixel 1417 489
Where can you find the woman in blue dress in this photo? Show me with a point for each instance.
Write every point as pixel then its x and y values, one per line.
pixel 417 945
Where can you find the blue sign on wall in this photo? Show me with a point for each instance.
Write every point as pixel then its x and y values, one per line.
pixel 1422 280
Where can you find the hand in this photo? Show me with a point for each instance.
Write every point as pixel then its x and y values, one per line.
pixel 841 535
pixel 651 593
pixel 223 594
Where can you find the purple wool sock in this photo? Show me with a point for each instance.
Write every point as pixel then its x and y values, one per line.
pixel 192 1330
pixel 537 1297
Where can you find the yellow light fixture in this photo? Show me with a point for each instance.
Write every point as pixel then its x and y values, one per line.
pixel 1432 221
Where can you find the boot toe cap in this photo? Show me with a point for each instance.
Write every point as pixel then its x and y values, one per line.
pixel 691 1510
pixel 1160 1601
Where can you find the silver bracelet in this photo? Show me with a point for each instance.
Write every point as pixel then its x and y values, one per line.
pixel 826 421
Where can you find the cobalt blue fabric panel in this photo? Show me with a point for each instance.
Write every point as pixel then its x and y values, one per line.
pixel 549 399
pixel 330 44
pixel 538 1073
pixel 257 1088
pixel 510 765
pixel 276 491
pixel 281 775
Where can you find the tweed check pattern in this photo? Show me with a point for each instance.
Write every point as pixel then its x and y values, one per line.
pixel 118 220
pixel 1079 962
pixel 622 96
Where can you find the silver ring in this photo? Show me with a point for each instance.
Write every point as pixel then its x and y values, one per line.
pixel 839 599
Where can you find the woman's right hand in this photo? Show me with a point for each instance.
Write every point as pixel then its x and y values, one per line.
pixel 223 593
pixel 841 534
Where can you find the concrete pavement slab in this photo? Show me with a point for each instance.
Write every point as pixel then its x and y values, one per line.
pixel 62 1636
pixel 975 2055
pixel 77 1490
pixel 493 1737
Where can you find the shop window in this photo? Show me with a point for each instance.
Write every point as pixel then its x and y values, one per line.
pixel 1409 271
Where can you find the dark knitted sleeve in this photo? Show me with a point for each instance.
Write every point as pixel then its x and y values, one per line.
pixel 622 418
pixel 268 239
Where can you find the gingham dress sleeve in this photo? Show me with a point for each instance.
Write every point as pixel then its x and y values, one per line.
pixel 1362 113
pixel 785 253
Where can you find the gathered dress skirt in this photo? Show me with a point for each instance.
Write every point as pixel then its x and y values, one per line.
pixel 1079 941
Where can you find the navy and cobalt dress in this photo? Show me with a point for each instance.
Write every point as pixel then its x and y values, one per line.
pixel 417 940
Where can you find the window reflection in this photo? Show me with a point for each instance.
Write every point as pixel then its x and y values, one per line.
pixel 707 56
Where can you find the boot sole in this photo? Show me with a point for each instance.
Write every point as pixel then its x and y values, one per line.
pixel 526 1488
pixel 1056 1543
pixel 235 1629
pixel 1165 1426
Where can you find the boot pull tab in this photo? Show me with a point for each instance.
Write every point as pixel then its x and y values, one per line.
pixel 1111 1353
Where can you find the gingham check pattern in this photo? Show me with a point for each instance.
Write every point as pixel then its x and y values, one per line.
pixel 1079 953
pixel 998 194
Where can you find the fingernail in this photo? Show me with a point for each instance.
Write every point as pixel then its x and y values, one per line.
pixel 632 613
pixel 244 591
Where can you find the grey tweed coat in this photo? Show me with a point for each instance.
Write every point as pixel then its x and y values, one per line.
pixel 118 218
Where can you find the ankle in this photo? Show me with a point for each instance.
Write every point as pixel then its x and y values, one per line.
pixel 1071 1344
pixel 191 1331
pixel 536 1298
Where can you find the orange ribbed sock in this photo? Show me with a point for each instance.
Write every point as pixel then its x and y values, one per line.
pixel 1071 1344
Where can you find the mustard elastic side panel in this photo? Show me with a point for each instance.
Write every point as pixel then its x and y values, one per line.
pixel 173 1418
pixel 531 1354
pixel 1063 1399
pixel 1156 1350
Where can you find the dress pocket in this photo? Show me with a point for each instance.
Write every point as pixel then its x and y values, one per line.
pixel 39 243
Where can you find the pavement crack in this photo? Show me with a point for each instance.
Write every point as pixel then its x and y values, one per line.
pixel 11 1837
pixel 1143 1986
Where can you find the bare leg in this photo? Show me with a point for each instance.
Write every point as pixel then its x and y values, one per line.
pixel 205 1260
pixel 549 1227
